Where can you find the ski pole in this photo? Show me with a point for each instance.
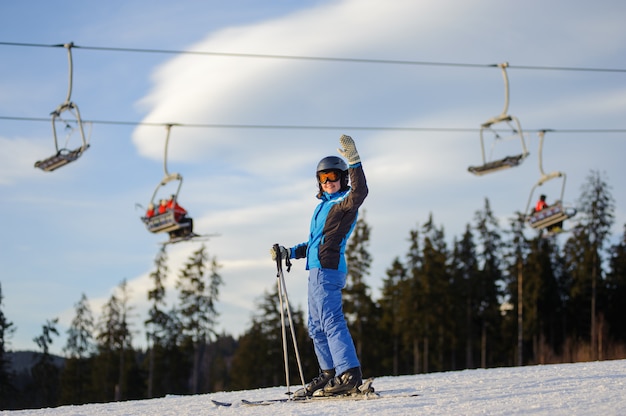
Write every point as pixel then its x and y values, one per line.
pixel 282 292
pixel 282 321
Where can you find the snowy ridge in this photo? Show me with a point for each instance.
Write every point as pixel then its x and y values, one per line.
pixel 564 389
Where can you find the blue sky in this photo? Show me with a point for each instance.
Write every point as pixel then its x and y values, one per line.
pixel 77 230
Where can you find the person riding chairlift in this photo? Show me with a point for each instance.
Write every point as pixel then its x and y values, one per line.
pixel 162 206
pixel 179 212
pixel 150 211
pixel 180 216
pixel 541 205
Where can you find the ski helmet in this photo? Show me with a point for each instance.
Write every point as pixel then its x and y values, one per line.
pixel 332 162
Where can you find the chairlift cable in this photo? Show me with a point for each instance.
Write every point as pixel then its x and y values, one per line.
pixel 309 127
pixel 319 58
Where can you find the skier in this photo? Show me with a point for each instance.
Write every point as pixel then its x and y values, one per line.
pixel 332 223
pixel 541 204
pixel 162 207
pixel 150 210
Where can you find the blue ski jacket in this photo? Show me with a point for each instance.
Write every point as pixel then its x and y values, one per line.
pixel 332 223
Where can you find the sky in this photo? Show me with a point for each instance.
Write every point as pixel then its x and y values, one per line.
pixel 595 388
pixel 252 127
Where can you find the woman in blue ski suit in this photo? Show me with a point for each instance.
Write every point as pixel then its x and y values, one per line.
pixel 332 223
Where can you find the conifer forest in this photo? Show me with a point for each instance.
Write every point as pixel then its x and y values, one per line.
pixel 497 295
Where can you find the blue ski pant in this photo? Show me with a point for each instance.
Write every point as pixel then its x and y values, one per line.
pixel 328 329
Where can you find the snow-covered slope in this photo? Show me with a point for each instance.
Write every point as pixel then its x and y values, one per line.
pixel 597 388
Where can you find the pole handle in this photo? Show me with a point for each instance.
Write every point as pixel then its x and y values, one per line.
pixel 279 265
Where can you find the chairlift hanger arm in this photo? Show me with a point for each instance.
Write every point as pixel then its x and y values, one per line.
pixel 503 66
pixel 168 177
pixel 165 181
pixel 552 175
pixel 68 105
pixel 69 47
pixel 503 116
pixel 73 109
pixel 168 127
pixel 546 177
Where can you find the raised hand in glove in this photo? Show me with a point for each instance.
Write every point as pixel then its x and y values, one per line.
pixel 284 253
pixel 348 150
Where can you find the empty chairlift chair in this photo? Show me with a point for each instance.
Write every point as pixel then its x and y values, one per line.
pixel 513 129
pixel 63 155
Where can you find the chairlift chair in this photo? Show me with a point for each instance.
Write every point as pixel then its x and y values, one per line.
pixel 163 222
pixel 555 213
pixel 63 156
pixel 515 128
pixel 552 214
pixel 179 229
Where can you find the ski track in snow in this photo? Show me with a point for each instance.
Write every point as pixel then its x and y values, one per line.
pixel 564 389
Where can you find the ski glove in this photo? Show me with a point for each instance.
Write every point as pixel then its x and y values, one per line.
pixel 284 253
pixel 348 150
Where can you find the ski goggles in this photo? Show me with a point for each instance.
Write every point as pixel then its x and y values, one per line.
pixel 331 175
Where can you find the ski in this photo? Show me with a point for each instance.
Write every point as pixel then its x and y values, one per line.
pixel 355 397
pixel 221 404
pixel 367 393
pixel 268 402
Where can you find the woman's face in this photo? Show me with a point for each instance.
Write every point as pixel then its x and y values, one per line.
pixel 330 180
pixel 331 187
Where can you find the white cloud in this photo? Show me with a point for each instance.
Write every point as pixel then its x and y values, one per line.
pixel 17 158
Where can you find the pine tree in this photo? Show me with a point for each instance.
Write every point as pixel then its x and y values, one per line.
pixel 490 257
pixel 465 277
pixel 157 321
pixel 435 296
pixel 222 351
pixel 584 252
pixel 76 372
pixel 115 363
pixel 7 388
pixel 258 361
pixel 597 206
pixel 392 320
pixel 172 358
pixel 412 309
pixel 198 294
pixel 80 333
pixel 616 288
pixel 359 308
pixel 518 250
pixel 45 374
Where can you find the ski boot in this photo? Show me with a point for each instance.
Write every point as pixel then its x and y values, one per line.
pixel 317 383
pixel 346 383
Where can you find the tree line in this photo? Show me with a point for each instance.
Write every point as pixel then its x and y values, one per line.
pixel 492 297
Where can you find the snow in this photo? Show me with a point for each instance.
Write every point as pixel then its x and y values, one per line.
pixel 561 389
